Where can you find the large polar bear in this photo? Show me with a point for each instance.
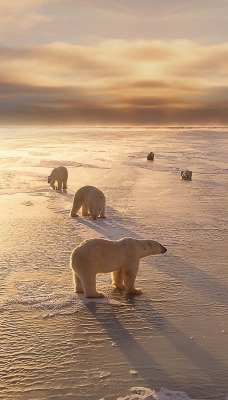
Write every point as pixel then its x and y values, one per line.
pixel 120 257
pixel 92 201
pixel 59 175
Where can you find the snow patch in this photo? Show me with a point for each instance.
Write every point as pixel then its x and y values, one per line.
pixel 141 393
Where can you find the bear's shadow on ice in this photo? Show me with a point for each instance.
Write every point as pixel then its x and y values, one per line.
pixel 212 367
pixel 140 359
pixel 111 227
pixel 194 277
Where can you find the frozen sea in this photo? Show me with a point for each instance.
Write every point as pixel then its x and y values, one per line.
pixel 55 344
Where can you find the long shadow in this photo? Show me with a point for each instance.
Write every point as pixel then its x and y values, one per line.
pixel 110 229
pixel 216 371
pixel 136 355
pixel 195 278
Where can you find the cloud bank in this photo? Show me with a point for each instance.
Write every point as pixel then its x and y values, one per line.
pixel 115 82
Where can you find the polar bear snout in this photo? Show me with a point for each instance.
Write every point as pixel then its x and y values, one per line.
pixel 163 249
pixel 49 179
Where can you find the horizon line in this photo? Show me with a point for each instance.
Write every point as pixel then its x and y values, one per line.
pixel 111 126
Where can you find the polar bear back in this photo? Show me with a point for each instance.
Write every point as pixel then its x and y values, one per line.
pixel 96 202
pixel 85 191
pixel 91 199
pixel 59 173
pixel 100 254
pixel 104 255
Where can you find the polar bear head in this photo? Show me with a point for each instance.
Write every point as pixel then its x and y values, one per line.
pixel 52 177
pixel 150 247
pixel 96 203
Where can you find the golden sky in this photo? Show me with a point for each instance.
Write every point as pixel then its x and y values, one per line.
pixel 124 62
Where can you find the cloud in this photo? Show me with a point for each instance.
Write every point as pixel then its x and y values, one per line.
pixel 115 82
pixel 194 10
pixel 26 23
pixel 18 18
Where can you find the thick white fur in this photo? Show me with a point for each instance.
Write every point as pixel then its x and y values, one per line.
pixel 92 201
pixel 59 175
pixel 120 257
pixel 186 175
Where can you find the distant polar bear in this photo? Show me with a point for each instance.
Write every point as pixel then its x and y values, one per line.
pixel 121 257
pixel 59 175
pixel 92 201
pixel 186 175
pixel 150 156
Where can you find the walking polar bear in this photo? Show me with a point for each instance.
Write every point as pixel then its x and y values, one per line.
pixel 120 257
pixel 59 175
pixel 92 201
pixel 186 175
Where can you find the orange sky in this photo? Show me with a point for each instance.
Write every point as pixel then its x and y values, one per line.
pixel 100 62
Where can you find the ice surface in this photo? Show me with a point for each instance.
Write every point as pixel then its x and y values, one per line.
pixel 56 344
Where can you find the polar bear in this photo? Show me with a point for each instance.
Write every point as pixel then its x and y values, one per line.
pixel 150 156
pixel 92 201
pixel 59 175
pixel 120 257
pixel 186 175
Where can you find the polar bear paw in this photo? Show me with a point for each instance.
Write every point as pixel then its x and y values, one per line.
pixel 73 214
pixel 134 291
pixel 119 286
pixel 95 294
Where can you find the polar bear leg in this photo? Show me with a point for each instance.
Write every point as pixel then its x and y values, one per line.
pixel 129 279
pixel 85 212
pixel 76 207
pixel 59 187
pixel 78 284
pixel 117 279
pixel 52 184
pixel 64 183
pixel 102 215
pixel 89 285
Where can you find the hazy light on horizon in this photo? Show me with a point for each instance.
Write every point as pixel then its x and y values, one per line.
pixel 125 80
